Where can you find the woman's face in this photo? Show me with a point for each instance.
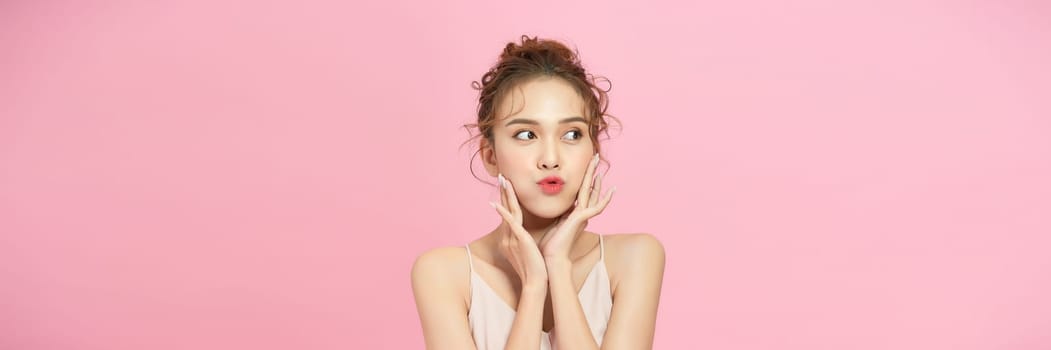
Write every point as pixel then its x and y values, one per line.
pixel 541 132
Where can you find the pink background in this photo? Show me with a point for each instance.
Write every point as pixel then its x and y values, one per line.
pixel 238 175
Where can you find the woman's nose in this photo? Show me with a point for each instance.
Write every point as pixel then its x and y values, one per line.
pixel 549 160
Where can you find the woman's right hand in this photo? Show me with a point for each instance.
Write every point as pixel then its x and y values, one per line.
pixel 517 245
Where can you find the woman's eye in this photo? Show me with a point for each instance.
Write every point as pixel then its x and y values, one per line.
pixel 577 133
pixel 523 132
pixel 530 135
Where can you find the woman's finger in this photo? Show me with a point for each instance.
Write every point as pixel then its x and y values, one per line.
pixel 503 213
pixel 605 201
pixel 503 194
pixel 512 199
pixel 584 194
pixel 596 189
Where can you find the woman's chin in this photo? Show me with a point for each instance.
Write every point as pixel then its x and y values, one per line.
pixel 549 210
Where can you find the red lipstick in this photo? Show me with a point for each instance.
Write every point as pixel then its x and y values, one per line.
pixel 551 185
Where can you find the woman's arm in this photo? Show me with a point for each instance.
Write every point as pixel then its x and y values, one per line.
pixel 529 319
pixel 519 248
pixel 640 272
pixel 570 322
pixel 443 313
pixel 639 262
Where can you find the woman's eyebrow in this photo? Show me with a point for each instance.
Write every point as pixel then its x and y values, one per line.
pixel 533 122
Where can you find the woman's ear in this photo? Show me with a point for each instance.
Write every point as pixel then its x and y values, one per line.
pixel 488 157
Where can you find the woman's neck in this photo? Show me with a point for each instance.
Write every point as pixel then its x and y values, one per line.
pixel 536 226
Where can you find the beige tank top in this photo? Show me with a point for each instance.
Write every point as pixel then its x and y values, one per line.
pixel 491 318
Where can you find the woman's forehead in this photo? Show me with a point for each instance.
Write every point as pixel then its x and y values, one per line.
pixel 546 101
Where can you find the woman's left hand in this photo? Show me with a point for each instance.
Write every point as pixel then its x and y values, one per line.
pixel 557 241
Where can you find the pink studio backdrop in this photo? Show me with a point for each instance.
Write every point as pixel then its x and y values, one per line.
pixel 241 175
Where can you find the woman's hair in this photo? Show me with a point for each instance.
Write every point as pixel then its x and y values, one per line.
pixel 537 58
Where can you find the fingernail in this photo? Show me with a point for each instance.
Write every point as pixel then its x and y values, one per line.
pixel 491 204
pixel 613 190
pixel 500 179
pixel 595 158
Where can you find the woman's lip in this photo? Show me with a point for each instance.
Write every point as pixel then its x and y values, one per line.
pixel 551 179
pixel 550 188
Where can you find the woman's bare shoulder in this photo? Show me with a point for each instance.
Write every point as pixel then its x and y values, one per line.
pixel 444 261
pixel 633 253
pixel 632 244
pixel 439 279
pixel 442 273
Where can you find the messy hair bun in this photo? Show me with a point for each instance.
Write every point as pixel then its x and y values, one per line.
pixel 533 58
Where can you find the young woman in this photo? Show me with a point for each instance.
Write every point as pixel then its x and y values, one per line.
pixel 539 280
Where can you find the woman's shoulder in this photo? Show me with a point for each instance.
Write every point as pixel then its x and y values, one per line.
pixel 629 254
pixel 442 273
pixel 445 261
pixel 633 244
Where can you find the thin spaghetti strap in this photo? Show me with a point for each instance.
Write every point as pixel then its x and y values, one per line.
pixel 469 262
pixel 470 274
